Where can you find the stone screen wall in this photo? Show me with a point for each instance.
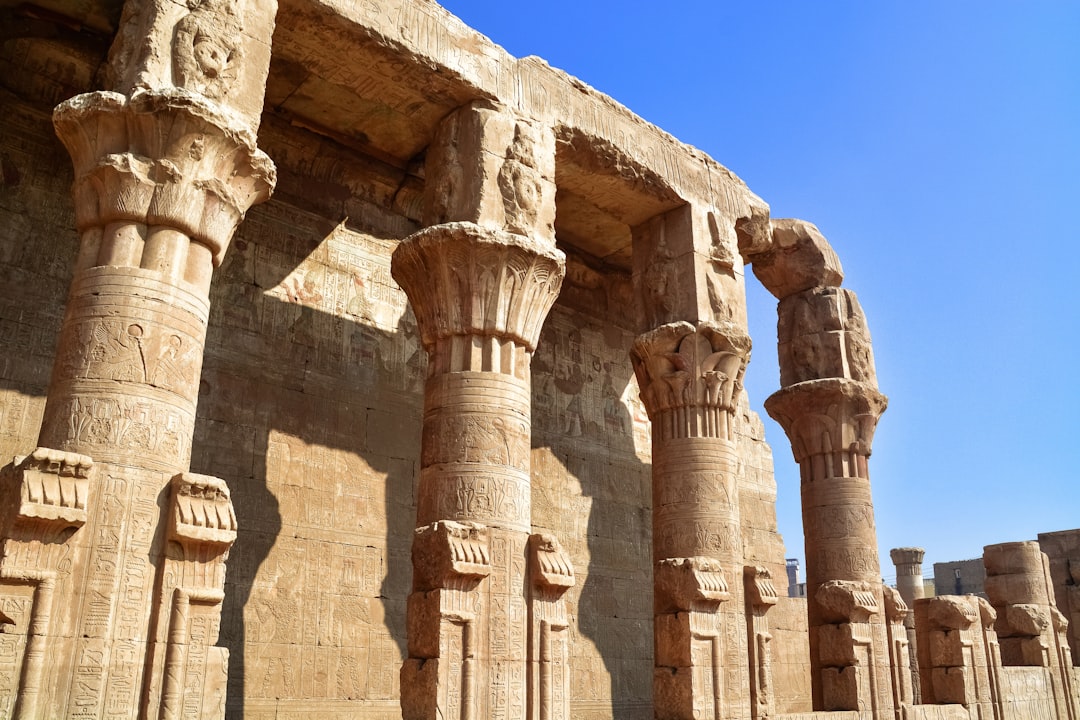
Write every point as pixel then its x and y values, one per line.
pixel 310 410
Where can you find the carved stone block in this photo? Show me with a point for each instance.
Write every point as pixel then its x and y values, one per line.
pixel 684 584
pixel 799 258
pixel 201 510
pixel 53 487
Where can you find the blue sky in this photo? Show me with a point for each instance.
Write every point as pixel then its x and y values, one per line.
pixel 937 147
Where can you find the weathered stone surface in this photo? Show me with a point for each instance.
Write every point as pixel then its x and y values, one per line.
pixel 249 383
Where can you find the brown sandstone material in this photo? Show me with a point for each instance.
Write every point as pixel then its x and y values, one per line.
pixel 1029 625
pixel 481 282
pixel 1063 551
pixel 690 378
pixel 909 583
pixel 164 173
pixel 829 406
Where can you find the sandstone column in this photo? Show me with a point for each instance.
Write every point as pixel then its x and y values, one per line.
pixel 481 279
pixel 958 654
pixel 165 167
pixel 1030 628
pixel 760 598
pixel 829 406
pixel 552 574
pixel 689 368
pixel 690 378
pixel 909 582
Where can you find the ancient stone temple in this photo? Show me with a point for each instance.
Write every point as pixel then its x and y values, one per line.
pixel 353 368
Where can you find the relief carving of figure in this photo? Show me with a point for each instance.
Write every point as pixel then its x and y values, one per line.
pixel 206 48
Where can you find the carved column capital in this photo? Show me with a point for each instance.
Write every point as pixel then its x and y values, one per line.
pixel 681 367
pixel 833 418
pixel 908 556
pixel 465 280
pixel 162 158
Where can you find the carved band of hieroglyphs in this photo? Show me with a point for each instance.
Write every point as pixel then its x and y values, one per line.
pixel 695 472
pixel 476 438
pixel 498 498
pixel 838 560
pixel 684 535
pixel 30 688
pixel 838 521
pixel 113 426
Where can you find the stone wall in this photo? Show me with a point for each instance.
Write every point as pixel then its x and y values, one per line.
pixel 309 409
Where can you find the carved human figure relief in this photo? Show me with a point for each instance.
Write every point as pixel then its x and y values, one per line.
pixel 206 47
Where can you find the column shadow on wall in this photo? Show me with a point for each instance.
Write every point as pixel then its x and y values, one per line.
pixel 294 403
pixel 304 393
pixel 580 415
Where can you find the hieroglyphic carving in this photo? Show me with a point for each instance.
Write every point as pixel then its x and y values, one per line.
pixel 188 677
pixel 1030 628
pixel 688 679
pixel 441 677
pixel 896 613
pixel 957 651
pixel 761 596
pixel 42 496
pixel 552 574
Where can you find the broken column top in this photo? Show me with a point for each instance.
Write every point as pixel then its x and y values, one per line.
pixel 797 258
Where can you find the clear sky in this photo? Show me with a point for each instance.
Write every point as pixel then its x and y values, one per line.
pixel 936 144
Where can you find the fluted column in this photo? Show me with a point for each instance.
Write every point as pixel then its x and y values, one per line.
pixel 829 406
pixel 690 378
pixel 909 582
pixel 165 166
pixel 481 279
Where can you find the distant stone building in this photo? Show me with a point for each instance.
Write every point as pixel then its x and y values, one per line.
pixel 960 577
